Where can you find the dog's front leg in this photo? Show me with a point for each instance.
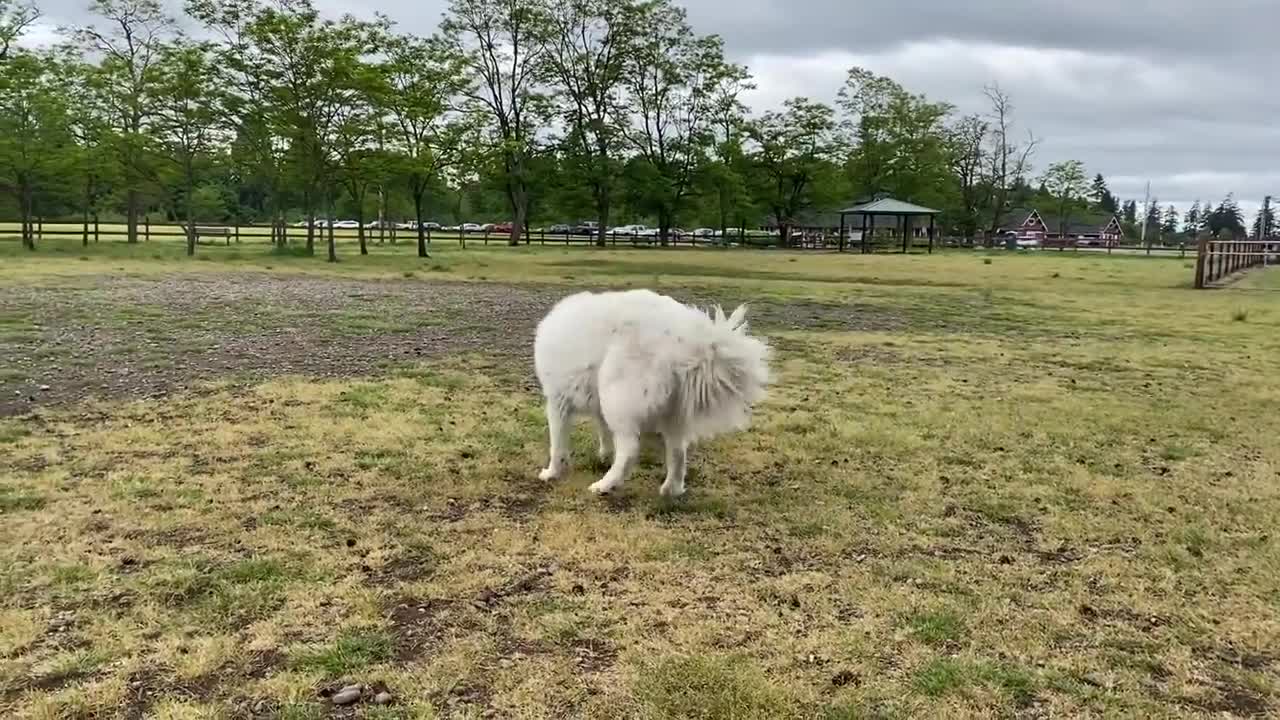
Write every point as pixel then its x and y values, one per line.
pixel 626 448
pixel 677 463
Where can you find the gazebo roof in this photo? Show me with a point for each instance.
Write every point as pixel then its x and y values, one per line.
pixel 889 206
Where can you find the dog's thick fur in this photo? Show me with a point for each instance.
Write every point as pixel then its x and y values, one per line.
pixel 638 363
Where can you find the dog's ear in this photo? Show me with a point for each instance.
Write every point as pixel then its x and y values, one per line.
pixel 738 320
pixel 719 319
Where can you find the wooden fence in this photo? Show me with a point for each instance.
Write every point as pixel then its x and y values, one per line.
pixel 1217 260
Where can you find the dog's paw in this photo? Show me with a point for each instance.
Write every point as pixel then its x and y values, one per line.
pixel 670 491
pixel 602 488
pixel 548 475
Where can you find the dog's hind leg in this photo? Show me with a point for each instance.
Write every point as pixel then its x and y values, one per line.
pixel 677 463
pixel 559 429
pixel 605 437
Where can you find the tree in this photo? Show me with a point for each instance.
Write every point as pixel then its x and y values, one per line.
pixel 1154 219
pixel 420 82
pixel 33 130
pixel 497 44
pixel 15 19
pixel 794 148
pixel 1067 184
pixel 359 130
pixel 584 47
pixel 899 139
pixel 1169 225
pixel 671 76
pixel 129 47
pixel 1227 219
pixel 966 143
pixel 90 158
pixel 726 174
pixel 1101 195
pixel 258 152
pixel 1264 223
pixel 1191 222
pixel 1131 212
pixel 186 115
pixel 1008 159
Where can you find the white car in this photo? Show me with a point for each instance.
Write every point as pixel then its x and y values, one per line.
pixel 703 232
pixel 471 227
pixel 407 225
pixel 346 225
pixel 634 230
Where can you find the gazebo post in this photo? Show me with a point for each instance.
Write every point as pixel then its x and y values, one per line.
pixel 906 220
pixel 864 233
pixel 841 232
pixel 932 225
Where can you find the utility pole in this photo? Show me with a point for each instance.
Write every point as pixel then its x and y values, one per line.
pixel 1264 229
pixel 1146 214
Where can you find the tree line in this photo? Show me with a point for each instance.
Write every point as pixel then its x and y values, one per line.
pixel 529 110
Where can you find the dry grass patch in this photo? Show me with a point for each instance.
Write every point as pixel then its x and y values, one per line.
pixel 1072 521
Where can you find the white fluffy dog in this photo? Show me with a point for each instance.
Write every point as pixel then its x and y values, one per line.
pixel 639 362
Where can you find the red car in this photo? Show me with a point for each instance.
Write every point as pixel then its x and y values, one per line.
pixel 502 227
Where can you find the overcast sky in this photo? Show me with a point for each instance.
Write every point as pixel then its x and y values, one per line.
pixel 1183 93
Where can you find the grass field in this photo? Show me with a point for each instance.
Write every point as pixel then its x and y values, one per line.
pixel 984 486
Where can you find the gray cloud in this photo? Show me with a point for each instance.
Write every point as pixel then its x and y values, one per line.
pixel 1172 91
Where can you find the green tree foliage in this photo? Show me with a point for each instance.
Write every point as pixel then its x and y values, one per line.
pixel 795 158
pixel 34 137
pixel 899 141
pixel 1066 183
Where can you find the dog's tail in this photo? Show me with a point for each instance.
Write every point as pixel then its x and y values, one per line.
pixel 727 377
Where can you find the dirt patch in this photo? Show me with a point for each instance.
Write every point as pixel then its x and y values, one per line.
pixel 420 625
pixel 1231 699
pixel 137 338
pixel 593 655
pixel 524 583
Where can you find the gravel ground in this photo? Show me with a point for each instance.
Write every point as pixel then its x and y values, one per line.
pixel 122 338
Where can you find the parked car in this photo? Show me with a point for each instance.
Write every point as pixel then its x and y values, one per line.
pixel 629 230
pixel 500 228
pixel 410 225
pixel 432 226
pixel 471 227
pixel 703 233
pixel 560 230
pixel 375 224
pixel 586 228
pixel 346 225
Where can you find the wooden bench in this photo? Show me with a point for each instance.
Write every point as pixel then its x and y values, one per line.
pixel 213 231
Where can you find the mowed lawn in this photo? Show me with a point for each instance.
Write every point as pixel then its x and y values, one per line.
pixel 1037 485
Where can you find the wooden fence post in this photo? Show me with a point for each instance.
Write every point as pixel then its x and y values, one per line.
pixel 237 232
pixel 1202 247
pixel 146 228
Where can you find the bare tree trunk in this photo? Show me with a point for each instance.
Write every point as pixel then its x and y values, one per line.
pixel 191 225
pixel 417 217
pixel 131 215
pixel 308 200
pixel 333 243
pixel 364 247
pixel 520 206
pixel 602 208
pixel 28 228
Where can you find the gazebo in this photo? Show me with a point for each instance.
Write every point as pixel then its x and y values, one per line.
pixel 901 212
